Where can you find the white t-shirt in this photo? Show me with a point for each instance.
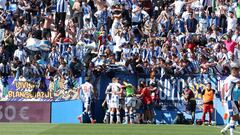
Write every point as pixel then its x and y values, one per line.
pixel 87 89
pixel 203 23
pixel 231 23
pixel 178 7
pixel 185 15
pixel 21 54
pixel 115 87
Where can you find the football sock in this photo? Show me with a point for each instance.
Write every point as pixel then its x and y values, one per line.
pixel 111 117
pixel 126 117
pixel 118 117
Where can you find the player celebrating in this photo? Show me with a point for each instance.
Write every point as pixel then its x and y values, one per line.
pixel 208 96
pixel 227 98
pixel 86 95
pixel 130 102
pixel 114 89
pixel 107 102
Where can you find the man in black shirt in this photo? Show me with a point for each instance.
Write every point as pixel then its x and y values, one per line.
pixel 75 67
pixel 191 24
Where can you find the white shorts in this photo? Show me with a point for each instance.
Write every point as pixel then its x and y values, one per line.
pixel 108 103
pixel 130 101
pixel 231 108
pixel 114 101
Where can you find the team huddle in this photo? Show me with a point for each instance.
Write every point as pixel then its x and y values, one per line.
pixel 136 103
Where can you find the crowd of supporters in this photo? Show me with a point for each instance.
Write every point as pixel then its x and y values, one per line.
pixel 165 37
pixel 73 38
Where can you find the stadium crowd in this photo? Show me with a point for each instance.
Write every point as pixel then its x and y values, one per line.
pixel 89 37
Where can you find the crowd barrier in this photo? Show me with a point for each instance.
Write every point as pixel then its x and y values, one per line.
pixel 64 106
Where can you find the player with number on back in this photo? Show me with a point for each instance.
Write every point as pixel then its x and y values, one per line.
pixel 115 87
pixel 86 95
pixel 228 98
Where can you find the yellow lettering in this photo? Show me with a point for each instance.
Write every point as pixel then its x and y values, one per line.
pixel 10 94
pixel 42 94
pixel 17 94
pixel 38 95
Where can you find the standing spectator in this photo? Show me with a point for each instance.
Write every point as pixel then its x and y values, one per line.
pixel 21 54
pixel 178 6
pixel 203 24
pixel 223 21
pixel 189 98
pixel 102 18
pixel 87 12
pixel 78 13
pixel 213 20
pixel 231 22
pixel 53 57
pixel 179 25
pixel 47 26
pixel 5 71
pixel 9 44
pixel 191 24
pixel 61 11
pixel 187 13
pixel 67 55
pixel 230 45
pixel 75 67
pixel 208 97
pixel 20 36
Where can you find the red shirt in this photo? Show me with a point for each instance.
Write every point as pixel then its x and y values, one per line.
pixel 147 98
pixel 191 46
pixel 230 45
pixel 103 39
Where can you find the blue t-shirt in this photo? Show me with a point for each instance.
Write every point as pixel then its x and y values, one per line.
pixel 236 93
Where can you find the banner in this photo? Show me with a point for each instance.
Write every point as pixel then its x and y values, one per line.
pixel 22 90
pixel 171 88
pixel 25 112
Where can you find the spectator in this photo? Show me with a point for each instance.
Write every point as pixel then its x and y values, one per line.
pixel 191 24
pixel 189 98
pixel 61 12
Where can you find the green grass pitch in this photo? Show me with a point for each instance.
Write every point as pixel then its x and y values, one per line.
pixel 103 129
